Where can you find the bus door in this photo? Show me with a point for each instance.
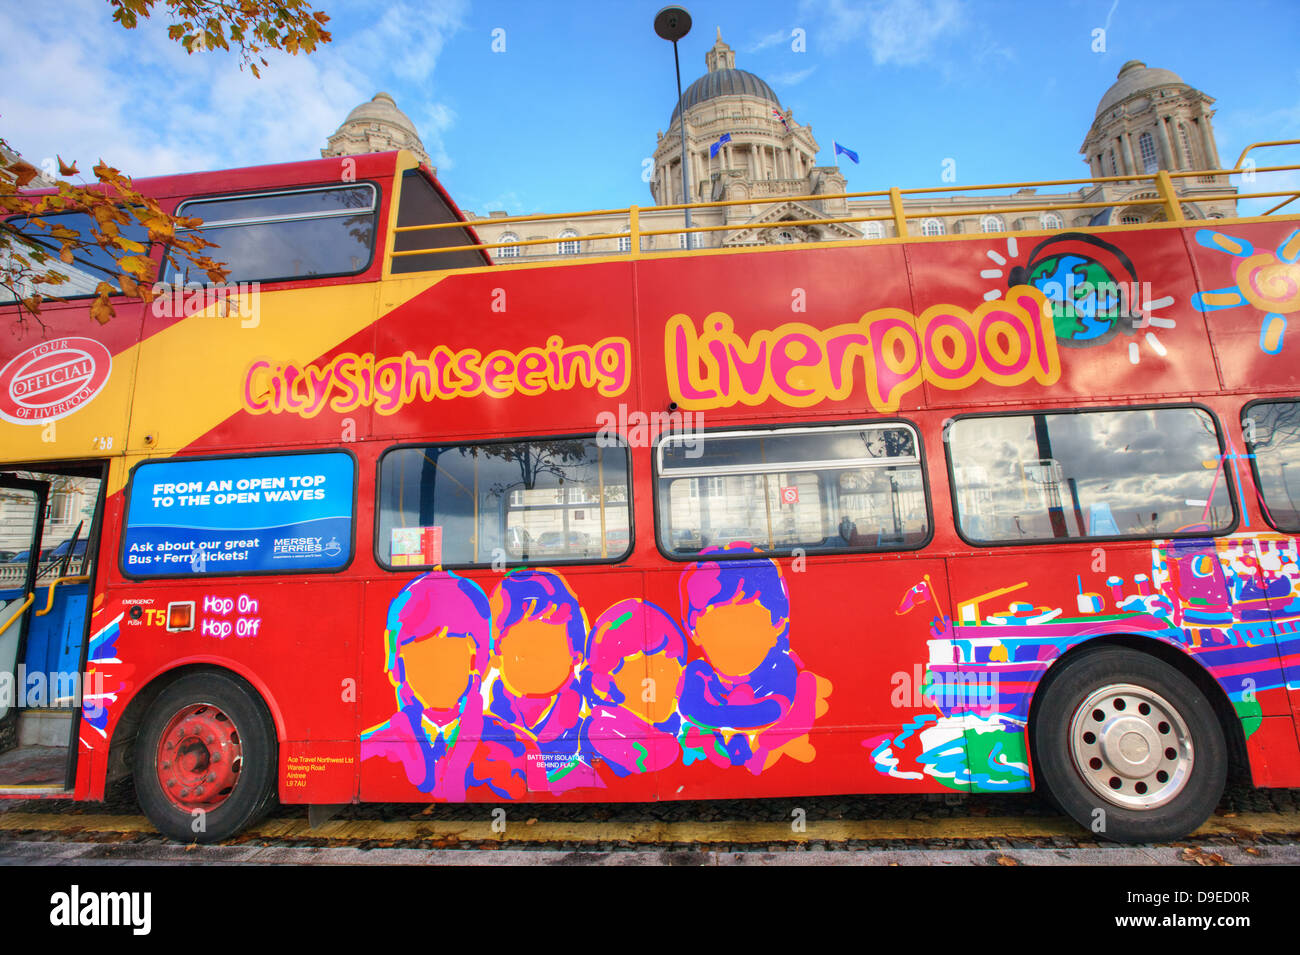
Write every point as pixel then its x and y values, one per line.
pixel 48 533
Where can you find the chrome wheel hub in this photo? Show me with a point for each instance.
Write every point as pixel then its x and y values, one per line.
pixel 1131 746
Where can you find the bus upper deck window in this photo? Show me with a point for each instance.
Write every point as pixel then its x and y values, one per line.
pixel 287 235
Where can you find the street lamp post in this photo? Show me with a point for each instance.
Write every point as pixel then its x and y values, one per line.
pixel 673 23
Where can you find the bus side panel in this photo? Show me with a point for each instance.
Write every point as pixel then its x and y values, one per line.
pixel 520 630
pixel 1245 275
pixel 1011 622
pixel 293 640
pixel 523 352
pixel 1097 283
pixel 1274 753
pixel 847 635
pixel 791 327
pixel 65 388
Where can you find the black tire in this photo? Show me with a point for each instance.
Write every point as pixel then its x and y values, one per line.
pixel 1157 761
pixel 217 698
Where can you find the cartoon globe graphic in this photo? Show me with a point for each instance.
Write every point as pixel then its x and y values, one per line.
pixel 1086 282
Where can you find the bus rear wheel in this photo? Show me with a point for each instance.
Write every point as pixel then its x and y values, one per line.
pixel 205 759
pixel 1129 747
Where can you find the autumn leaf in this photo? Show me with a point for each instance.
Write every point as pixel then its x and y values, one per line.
pixel 135 265
pixel 65 256
pixel 129 285
pixel 1201 857
pixel 24 172
pixel 100 309
pixel 65 169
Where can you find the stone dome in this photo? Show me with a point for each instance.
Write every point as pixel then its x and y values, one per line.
pixel 381 109
pixel 725 83
pixel 723 79
pixel 374 127
pixel 1135 77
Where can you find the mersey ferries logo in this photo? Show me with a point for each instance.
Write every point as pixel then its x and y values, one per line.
pixel 53 379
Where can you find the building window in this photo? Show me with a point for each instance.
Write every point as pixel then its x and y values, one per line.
pixel 873 230
pixel 568 244
pixel 1051 220
pixel 508 251
pixel 1114 169
pixel 821 489
pixel 1124 473
pixel 625 243
pixel 1148 147
pixel 1130 220
pixel 932 227
pixel 992 224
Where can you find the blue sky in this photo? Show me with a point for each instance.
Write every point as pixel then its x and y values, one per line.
pixel 564 117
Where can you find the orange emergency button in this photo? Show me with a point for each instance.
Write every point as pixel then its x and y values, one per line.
pixel 180 616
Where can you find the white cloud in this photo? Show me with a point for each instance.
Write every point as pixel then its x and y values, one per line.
pixel 898 32
pixel 772 39
pixel 790 79
pixel 80 86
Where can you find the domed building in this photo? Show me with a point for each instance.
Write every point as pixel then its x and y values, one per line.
pixel 376 127
pixel 1151 120
pixel 768 155
pixel 1148 120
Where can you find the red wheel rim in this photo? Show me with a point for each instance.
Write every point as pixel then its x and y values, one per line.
pixel 199 758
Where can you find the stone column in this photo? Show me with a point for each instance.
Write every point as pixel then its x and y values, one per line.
pixel 1166 149
pixel 1207 142
pixel 1126 153
pixel 1184 161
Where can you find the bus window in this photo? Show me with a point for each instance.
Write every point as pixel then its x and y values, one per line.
pixel 90 265
pixel 288 235
pixel 1153 472
pixel 1272 431
pixel 421 204
pixel 463 505
pixel 819 489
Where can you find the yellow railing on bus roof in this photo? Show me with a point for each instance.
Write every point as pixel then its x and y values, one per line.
pixel 1161 180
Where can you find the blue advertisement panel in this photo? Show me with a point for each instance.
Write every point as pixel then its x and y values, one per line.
pixel 284 513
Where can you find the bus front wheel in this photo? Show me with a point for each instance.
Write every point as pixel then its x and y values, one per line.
pixel 205 759
pixel 1129 747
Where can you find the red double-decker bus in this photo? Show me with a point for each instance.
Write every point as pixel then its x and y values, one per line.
pixel 383 519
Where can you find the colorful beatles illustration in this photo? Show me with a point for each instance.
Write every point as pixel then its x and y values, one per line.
pixel 517 692
pixel 631 680
pixel 438 638
pixel 539 635
pixel 749 700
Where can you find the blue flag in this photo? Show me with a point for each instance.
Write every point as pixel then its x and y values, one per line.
pixel 713 150
pixel 841 150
